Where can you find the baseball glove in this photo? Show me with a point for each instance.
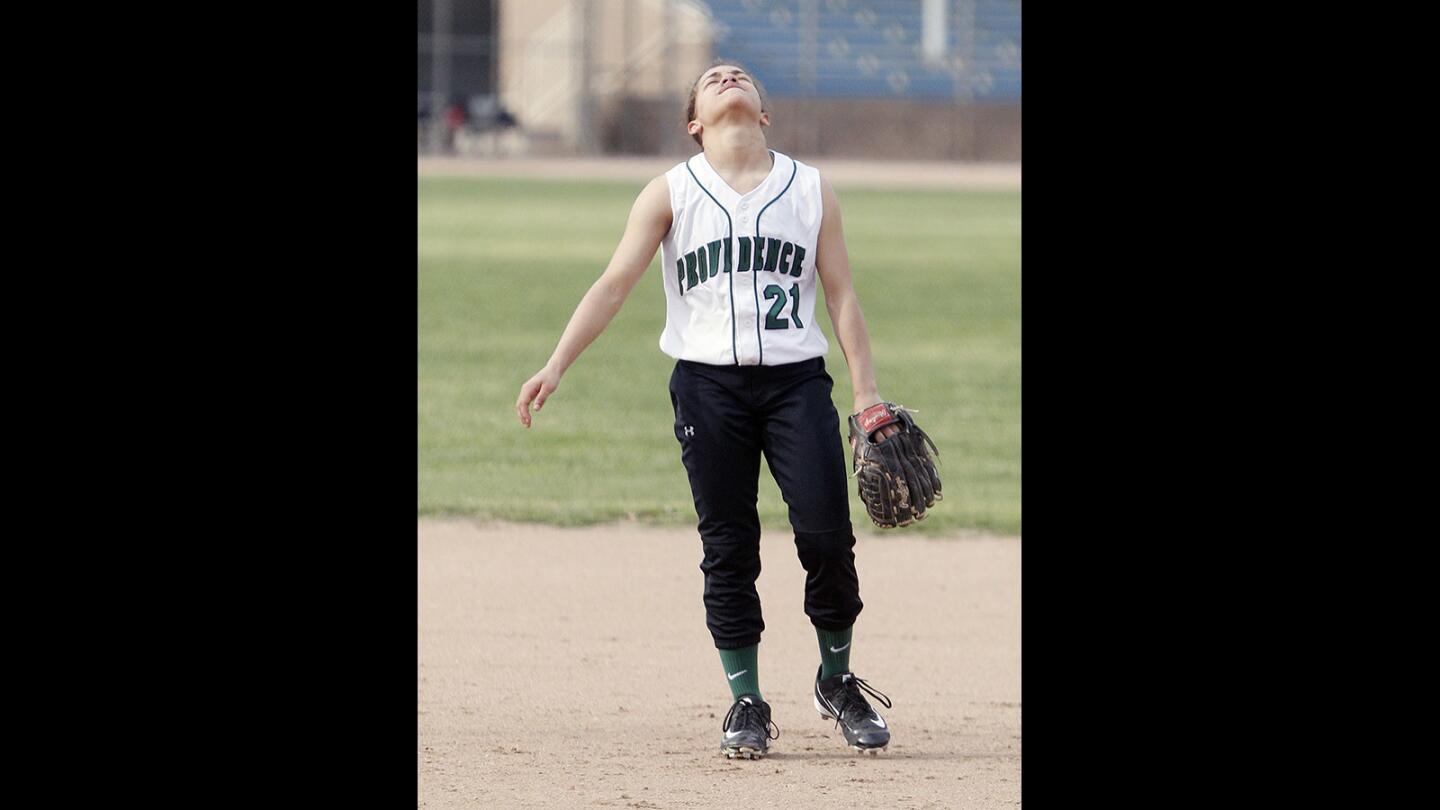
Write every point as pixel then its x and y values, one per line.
pixel 897 475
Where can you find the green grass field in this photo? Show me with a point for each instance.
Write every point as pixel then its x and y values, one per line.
pixel 502 264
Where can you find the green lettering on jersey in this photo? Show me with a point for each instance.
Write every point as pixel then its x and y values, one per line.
pixel 713 249
pixel 785 252
pixel 798 263
pixel 690 279
pixel 772 254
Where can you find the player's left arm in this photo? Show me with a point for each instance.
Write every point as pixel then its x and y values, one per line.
pixel 832 263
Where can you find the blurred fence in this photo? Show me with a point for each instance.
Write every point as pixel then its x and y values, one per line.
pixel 949 50
pixel 912 79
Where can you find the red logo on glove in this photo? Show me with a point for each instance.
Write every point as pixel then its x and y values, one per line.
pixel 875 417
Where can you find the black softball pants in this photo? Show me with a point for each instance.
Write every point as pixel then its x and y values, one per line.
pixel 725 418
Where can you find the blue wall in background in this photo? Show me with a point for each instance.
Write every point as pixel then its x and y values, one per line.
pixel 871 49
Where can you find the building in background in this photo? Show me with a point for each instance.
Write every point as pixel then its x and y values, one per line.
pixel 457 51
pixel 904 79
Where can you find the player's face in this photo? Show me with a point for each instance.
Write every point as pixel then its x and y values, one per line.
pixel 723 87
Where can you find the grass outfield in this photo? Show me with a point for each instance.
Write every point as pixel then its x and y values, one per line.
pixel 503 262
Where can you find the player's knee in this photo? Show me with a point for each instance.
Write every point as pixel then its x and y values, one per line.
pixel 731 556
pixel 826 548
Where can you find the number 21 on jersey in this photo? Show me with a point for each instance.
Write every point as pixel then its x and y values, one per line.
pixel 773 319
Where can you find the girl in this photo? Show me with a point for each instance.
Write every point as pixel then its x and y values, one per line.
pixel 745 233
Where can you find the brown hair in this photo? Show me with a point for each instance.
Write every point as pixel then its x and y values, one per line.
pixel 695 89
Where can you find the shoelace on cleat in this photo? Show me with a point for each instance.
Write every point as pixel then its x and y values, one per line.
pixel 751 715
pixel 851 699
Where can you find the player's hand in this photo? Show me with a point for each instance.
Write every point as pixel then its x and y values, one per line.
pixel 537 389
pixel 885 432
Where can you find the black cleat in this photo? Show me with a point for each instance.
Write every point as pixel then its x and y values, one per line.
pixel 747 729
pixel 838 698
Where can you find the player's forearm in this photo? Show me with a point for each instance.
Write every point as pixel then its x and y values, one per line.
pixel 854 339
pixel 594 312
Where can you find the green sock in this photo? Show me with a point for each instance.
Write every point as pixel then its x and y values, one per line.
pixel 742 668
pixel 834 651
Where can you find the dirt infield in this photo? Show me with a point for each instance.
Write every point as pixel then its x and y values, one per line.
pixel 901 174
pixel 572 668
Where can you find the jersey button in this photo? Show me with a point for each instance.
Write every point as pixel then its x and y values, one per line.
pixel 744 205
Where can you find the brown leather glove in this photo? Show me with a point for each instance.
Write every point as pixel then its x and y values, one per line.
pixel 896 475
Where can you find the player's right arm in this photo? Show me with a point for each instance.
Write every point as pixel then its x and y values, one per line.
pixel 649 222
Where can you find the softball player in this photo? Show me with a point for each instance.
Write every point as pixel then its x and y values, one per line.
pixel 745 232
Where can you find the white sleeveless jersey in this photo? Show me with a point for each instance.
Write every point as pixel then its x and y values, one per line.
pixel 739 269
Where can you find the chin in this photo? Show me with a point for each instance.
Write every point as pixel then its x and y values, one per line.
pixel 739 99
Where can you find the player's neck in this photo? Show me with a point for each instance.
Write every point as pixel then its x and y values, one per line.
pixel 737 150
